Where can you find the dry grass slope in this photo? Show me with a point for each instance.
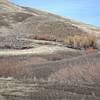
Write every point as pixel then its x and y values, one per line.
pixel 26 23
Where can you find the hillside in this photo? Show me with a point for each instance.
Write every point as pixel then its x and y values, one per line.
pixel 44 56
pixel 20 23
pixel 72 79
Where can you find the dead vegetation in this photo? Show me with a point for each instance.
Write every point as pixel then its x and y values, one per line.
pixel 12 89
pixel 73 79
pixel 73 69
pixel 52 76
pixel 18 22
pixel 81 41
pixel 74 41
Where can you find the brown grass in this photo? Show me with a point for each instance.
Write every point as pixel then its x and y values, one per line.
pixel 14 66
pixel 87 72
pixel 80 69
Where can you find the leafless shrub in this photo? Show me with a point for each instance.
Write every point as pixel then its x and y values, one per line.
pixel 81 41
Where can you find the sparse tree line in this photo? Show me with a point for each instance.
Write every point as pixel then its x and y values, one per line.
pixel 81 41
pixel 73 41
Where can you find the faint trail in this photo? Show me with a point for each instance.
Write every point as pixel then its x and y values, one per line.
pixel 39 50
pixel 63 61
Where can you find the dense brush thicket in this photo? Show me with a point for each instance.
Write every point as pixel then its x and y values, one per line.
pixel 81 41
pixel 73 41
